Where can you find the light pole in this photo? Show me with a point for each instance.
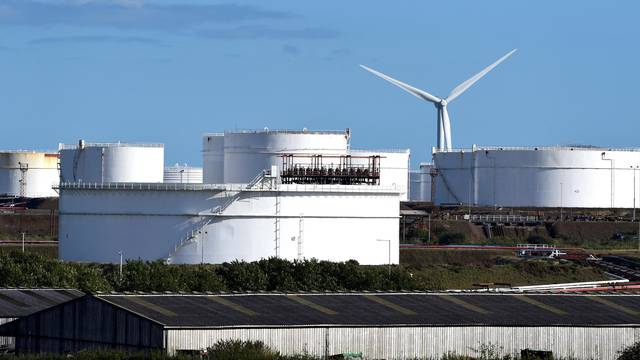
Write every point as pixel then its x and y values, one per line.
pixel 469 200
pixel 389 242
pixel 120 253
pixel 634 191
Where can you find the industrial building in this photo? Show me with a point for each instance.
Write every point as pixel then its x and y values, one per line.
pixel 380 325
pixel 290 194
pixel 182 174
pixel 16 303
pixel 28 174
pixel 111 162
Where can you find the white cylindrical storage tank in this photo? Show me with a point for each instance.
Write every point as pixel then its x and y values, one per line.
pixel 394 168
pixel 28 173
pixel 420 187
pixel 247 153
pixel 111 162
pixel 213 158
pixel 581 177
pixel 183 174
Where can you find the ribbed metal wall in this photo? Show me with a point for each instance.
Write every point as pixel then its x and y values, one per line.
pixel 6 341
pixel 286 341
pixel 420 342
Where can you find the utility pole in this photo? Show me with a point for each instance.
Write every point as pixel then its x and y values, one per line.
pixel 22 242
pixel 429 238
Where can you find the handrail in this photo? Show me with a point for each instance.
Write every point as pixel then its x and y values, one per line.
pixel 542 148
pixel 117 144
pixel 229 187
pixel 286 131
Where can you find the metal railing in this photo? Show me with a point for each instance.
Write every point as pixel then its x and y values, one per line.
pixel 529 148
pixel 503 218
pixel 116 144
pixel 285 131
pixel 536 246
pixel 229 187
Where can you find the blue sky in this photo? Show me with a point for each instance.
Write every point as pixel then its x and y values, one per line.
pixel 168 71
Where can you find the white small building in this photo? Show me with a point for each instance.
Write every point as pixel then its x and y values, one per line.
pixel 182 174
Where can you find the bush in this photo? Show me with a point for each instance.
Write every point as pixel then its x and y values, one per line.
pixel 451 238
pixel 536 239
pixel 240 350
pixel 630 353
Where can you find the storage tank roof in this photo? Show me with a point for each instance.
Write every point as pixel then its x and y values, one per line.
pixel 536 148
pixel 105 145
pixel 47 152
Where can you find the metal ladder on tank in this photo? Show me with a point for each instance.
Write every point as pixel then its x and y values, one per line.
pixel 277 226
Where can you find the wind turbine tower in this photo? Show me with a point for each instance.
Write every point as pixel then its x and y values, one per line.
pixel 444 124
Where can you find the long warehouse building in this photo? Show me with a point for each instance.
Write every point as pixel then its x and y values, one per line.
pixel 379 325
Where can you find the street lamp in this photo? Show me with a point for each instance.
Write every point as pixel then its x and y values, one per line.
pixel 389 243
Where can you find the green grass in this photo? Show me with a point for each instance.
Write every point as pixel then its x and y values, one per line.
pixel 461 269
pixel 48 251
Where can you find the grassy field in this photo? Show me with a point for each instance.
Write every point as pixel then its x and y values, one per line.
pixel 461 269
pixel 594 235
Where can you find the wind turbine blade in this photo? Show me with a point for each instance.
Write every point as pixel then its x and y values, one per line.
pixel 447 128
pixel 414 91
pixel 467 84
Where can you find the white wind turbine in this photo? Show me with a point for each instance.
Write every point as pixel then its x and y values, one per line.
pixel 444 126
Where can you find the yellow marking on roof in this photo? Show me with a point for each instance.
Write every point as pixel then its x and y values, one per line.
pixel 312 305
pixel 382 301
pixel 237 307
pixel 456 300
pixel 150 305
pixel 613 305
pixel 541 305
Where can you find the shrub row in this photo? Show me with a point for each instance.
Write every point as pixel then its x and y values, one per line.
pixel 31 270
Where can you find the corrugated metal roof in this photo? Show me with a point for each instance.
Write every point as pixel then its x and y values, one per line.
pixel 21 302
pixel 383 309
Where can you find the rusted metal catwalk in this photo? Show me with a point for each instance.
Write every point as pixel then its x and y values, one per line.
pixel 345 172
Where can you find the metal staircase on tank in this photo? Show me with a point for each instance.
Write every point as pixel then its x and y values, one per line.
pixel 266 179
pixel 190 238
